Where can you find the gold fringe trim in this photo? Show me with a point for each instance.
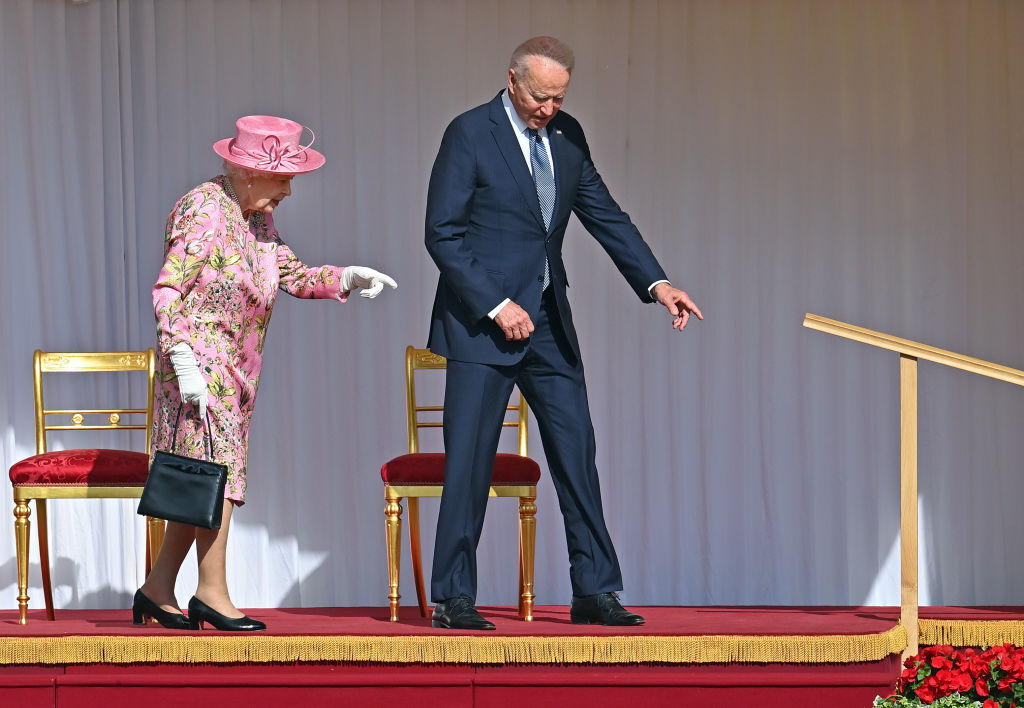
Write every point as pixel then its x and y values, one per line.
pixel 972 633
pixel 816 649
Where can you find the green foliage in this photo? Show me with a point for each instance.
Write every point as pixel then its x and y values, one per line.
pixel 953 700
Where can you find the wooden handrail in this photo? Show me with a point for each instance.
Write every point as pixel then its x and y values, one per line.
pixel 914 349
pixel 909 353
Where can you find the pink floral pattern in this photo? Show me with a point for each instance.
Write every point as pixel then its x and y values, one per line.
pixel 216 292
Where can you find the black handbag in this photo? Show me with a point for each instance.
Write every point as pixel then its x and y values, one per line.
pixel 185 489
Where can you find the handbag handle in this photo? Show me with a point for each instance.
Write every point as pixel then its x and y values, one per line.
pixel 209 429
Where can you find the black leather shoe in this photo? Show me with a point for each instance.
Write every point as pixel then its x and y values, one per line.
pixel 143 607
pixel 459 613
pixel 199 612
pixel 603 608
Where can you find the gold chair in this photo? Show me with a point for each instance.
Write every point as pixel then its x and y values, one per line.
pixel 421 474
pixel 86 473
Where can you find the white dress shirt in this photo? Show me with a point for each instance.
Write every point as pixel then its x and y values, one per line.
pixel 524 137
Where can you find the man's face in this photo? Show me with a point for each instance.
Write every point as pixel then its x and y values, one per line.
pixel 538 95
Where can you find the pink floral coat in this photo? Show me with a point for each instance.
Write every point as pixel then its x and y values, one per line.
pixel 216 292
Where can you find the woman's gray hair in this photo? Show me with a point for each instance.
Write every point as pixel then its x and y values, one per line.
pixel 240 173
pixel 546 47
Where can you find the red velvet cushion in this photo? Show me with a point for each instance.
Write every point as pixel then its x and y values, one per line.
pixel 70 468
pixel 428 468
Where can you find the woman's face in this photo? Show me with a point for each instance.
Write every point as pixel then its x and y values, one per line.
pixel 267 191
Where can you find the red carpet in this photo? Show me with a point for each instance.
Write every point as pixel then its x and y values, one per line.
pixel 297 660
pixel 548 621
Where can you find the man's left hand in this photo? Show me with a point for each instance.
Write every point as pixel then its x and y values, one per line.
pixel 678 303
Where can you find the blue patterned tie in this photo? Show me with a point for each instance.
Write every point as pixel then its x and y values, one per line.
pixel 544 179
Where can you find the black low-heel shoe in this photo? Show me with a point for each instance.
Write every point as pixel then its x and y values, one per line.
pixel 143 607
pixel 199 612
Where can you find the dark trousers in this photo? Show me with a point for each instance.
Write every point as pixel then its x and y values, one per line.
pixel 476 396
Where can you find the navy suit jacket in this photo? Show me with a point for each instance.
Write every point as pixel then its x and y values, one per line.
pixel 485 232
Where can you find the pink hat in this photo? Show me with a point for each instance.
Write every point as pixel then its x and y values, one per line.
pixel 269 144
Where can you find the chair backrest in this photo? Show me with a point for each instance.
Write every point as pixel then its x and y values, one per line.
pixel 419 359
pixel 82 418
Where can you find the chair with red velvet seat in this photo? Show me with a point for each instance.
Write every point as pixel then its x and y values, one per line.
pixel 85 473
pixel 421 474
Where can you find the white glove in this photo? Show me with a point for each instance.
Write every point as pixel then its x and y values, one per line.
pixel 191 384
pixel 359 277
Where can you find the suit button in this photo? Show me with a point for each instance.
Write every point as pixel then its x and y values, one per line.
pixel 540 278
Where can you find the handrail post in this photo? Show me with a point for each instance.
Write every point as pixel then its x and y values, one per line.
pixel 908 502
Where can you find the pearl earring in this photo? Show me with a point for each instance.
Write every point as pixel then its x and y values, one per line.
pixel 250 185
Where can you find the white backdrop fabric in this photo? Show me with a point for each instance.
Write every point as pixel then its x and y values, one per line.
pixel 858 159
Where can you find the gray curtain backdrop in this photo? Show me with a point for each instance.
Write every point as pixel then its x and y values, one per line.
pixel 858 159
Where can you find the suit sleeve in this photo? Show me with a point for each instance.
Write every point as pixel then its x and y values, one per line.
pixel 449 209
pixel 613 229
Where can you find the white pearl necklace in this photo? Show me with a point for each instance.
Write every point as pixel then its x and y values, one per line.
pixel 229 188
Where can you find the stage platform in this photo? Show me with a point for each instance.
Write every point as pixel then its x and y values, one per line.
pixel 683 656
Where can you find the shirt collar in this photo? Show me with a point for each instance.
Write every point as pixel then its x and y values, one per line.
pixel 517 122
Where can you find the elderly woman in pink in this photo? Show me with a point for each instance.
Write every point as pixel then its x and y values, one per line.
pixel 224 263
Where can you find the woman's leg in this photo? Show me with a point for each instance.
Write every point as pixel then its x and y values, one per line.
pixel 159 585
pixel 211 547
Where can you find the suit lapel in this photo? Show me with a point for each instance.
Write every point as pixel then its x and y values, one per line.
pixel 508 144
pixel 562 171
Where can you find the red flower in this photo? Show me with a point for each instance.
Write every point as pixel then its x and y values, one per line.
pixel 976 666
pixel 938 671
pixel 926 694
pixel 958 679
pixel 941 662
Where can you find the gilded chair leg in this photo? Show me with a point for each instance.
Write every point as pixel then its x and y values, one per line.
pixel 527 542
pixel 417 562
pixel 21 529
pixel 393 516
pixel 44 556
pixel 154 539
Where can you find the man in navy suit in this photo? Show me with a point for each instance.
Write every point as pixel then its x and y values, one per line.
pixel 507 176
